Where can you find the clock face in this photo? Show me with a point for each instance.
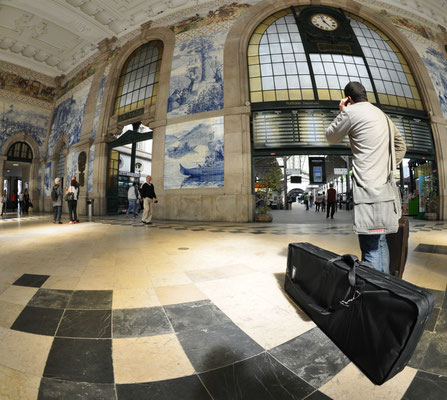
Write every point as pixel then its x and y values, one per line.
pixel 324 22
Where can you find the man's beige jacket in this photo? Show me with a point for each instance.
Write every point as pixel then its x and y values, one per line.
pixel 367 128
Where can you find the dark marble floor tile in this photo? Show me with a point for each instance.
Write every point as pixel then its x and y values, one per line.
pixel 435 360
pixel 91 300
pixel 432 320
pixel 187 388
pixel 217 346
pixel 441 323
pixel 86 323
pixel 137 322
pixel 51 298
pixel 41 321
pixel 195 315
pixel 260 378
pixel 80 360
pixel 439 297
pixel 427 387
pixel 421 350
pixel 312 356
pixel 54 389
pixel 317 396
pixel 425 248
pixel 31 280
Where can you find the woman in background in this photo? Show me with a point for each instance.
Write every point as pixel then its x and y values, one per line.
pixel 71 195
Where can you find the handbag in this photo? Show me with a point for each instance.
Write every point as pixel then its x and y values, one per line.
pixel 69 196
pixel 377 210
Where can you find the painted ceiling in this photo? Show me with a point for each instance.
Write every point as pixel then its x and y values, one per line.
pixel 54 36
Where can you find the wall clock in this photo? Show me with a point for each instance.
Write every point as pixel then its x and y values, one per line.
pixel 324 22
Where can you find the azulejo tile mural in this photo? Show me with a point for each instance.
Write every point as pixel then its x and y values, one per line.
pixel 197 75
pixel 47 179
pixel 194 154
pixel 17 118
pixel 436 65
pixel 67 118
pixel 98 107
pixel 91 158
pixel 72 166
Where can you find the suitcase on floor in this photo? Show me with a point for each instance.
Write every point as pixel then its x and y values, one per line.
pixel 375 319
pixel 398 246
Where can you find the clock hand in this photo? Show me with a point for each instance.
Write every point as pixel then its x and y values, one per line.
pixel 326 23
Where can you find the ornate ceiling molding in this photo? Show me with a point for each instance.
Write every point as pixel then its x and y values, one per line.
pixel 55 37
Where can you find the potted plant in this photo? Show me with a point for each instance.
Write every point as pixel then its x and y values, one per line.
pixel 432 198
pixel 266 185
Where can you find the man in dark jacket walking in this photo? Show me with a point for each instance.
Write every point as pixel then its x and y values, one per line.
pixel 331 201
pixel 149 198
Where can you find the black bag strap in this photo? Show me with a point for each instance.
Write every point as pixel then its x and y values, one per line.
pixel 352 293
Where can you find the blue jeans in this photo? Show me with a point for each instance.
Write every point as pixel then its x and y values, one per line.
pixel 57 213
pixel 375 251
pixel 132 206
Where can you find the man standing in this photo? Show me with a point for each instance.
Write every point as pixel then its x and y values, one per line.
pixel 370 132
pixel 56 196
pixel 331 201
pixel 132 196
pixel 149 198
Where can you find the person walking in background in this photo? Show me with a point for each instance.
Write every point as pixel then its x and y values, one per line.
pixel 4 199
pixel 20 201
pixel 331 201
pixel 71 195
pixel 323 202
pixel 149 198
pixel 317 202
pixel 306 201
pixel 26 202
pixel 132 197
pixel 374 140
pixel 311 200
pixel 56 196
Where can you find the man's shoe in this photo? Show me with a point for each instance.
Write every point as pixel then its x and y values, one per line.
pixel 149 223
pixel 60 222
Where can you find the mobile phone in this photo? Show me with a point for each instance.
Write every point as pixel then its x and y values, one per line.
pixel 347 102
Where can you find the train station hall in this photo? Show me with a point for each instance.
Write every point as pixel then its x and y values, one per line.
pixel 160 160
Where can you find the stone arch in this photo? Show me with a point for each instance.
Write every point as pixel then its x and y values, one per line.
pixel 236 92
pixel 22 137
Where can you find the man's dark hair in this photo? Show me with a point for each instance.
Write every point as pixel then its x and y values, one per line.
pixel 356 91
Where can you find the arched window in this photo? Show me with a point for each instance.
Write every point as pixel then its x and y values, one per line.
pixel 20 151
pixel 280 68
pixel 138 82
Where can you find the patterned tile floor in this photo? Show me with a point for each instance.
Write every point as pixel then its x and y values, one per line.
pixel 176 310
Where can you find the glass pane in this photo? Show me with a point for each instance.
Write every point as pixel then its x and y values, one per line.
pixel 398 89
pixel 305 81
pixel 286 47
pixel 149 90
pixel 266 70
pixel 280 82
pixel 341 69
pixel 384 74
pixel 278 69
pixel 277 58
pixel 389 88
pixel 321 82
pixel 318 68
pixel 288 57
pixel 302 68
pixel 329 68
pixel 352 70
pixel 293 81
pixel 333 82
pixel 267 83
pixel 264 59
pixel 291 69
pixel 379 86
pixel 275 48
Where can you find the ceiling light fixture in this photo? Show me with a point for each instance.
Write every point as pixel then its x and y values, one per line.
pixel 15 165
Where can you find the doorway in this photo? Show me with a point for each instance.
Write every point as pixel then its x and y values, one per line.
pixel 129 161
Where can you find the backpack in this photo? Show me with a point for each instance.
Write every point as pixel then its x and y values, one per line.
pixel 54 194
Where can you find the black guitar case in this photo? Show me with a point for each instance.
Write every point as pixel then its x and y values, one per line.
pixel 375 319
